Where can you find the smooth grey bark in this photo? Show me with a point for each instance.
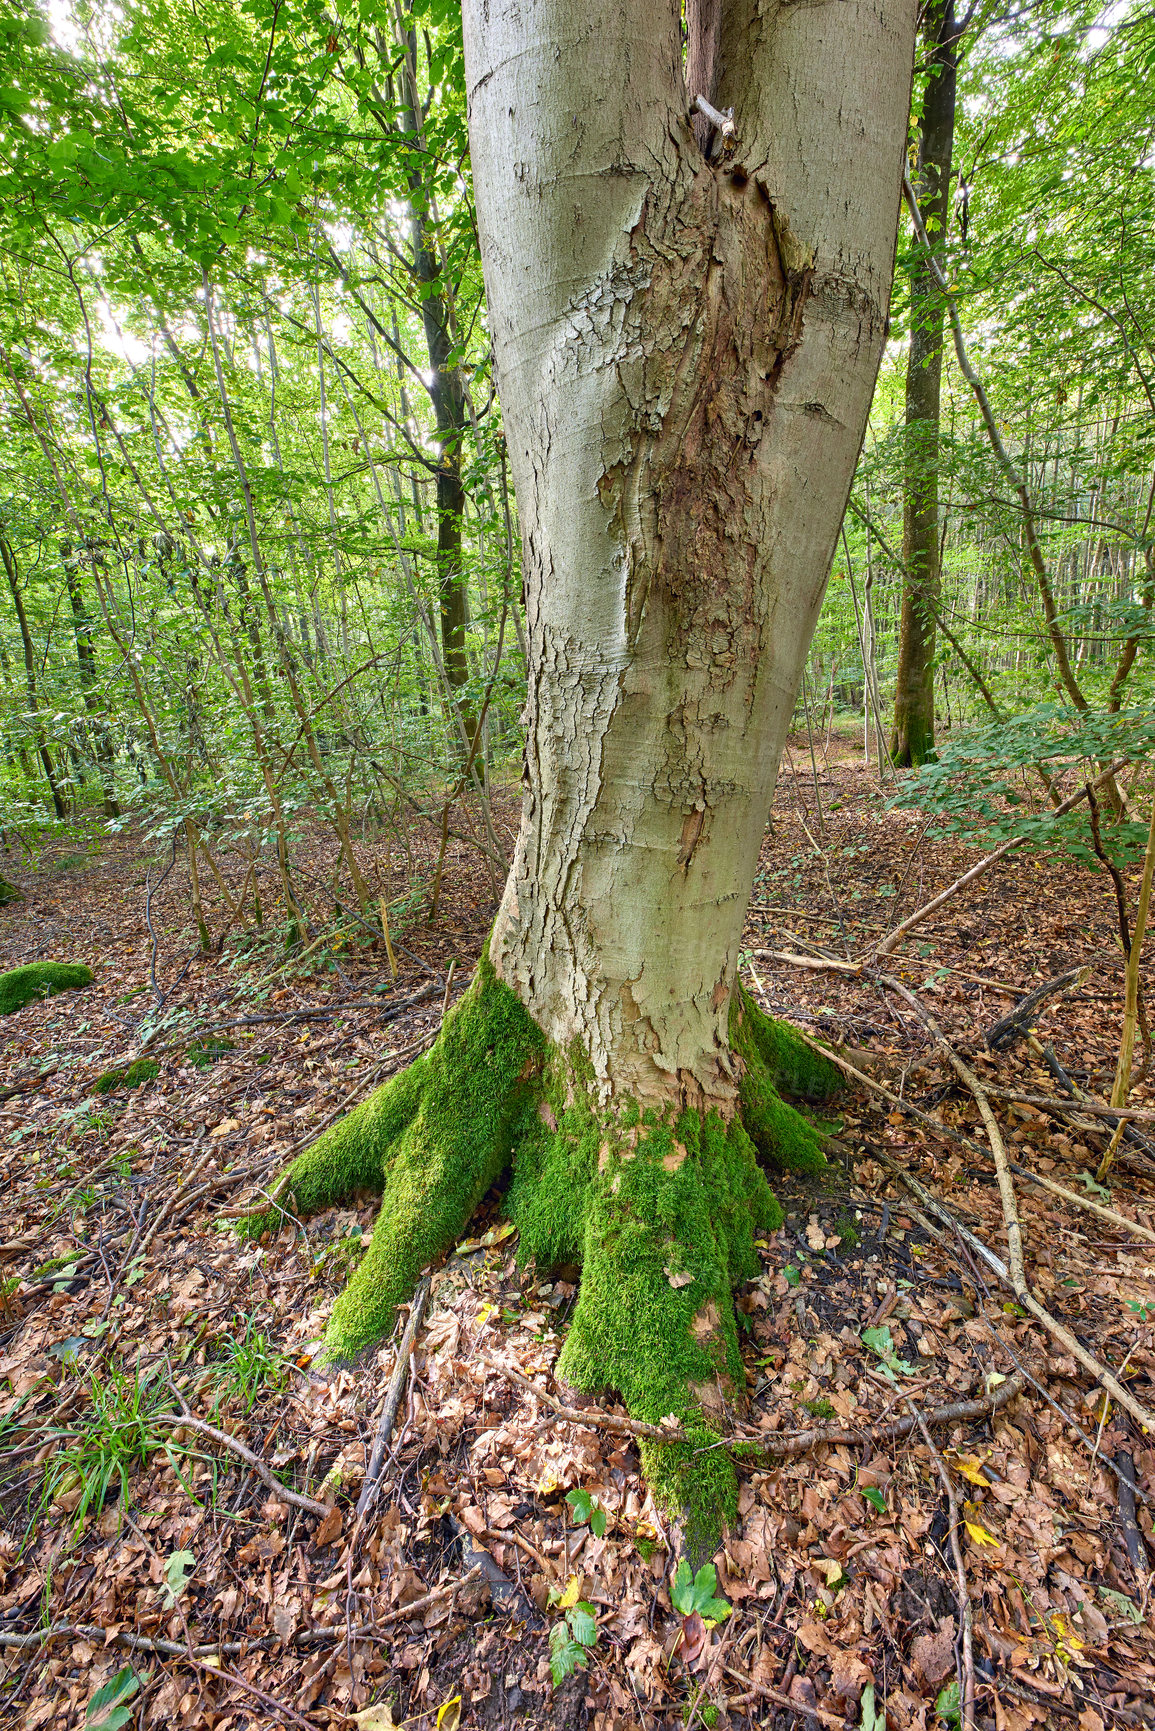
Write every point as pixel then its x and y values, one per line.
pixel 686 350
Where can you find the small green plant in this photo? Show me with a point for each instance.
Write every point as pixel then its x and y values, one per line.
pixel 1145 1312
pixel 113 1441
pixel 692 1593
pixel 204 1052
pixel 793 1274
pixel 874 1497
pixel 880 1341
pixel 847 1230
pixel 250 1363
pixel 177 1569
pixel 572 1641
pixel 585 1508
pixel 820 1408
pixel 872 1719
pixel 107 1711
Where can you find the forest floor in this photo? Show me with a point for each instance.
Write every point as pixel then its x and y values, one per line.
pixel 232 1606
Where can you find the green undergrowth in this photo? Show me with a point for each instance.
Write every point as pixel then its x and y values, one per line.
pixel 660 1208
pixel 40 980
pixel 132 1075
pixel 9 892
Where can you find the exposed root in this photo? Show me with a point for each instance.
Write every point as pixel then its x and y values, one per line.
pixel 660 1208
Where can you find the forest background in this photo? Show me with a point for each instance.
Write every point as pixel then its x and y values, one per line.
pixel 259 549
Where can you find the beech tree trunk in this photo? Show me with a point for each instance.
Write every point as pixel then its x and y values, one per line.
pixel 686 344
pixel 686 348
pixel 913 737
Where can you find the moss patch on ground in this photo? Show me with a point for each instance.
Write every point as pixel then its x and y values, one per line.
pixel 661 1209
pixel 9 892
pixel 132 1075
pixel 40 980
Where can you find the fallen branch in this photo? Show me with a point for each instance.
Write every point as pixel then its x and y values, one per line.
pixel 392 1400
pixel 231 1649
pixel 785 1446
pixel 894 937
pixel 1083 1102
pixel 820 964
pixel 1098 1208
pixel 1014 1272
pixel 834 1720
pixel 966 1611
pixel 1016 1022
pixel 251 1460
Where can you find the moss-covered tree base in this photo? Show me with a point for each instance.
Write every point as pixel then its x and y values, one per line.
pixel 661 1210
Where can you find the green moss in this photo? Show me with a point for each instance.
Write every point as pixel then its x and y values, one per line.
pixel 433 1140
pixel 204 1052
pixel 794 1067
pixel 661 1212
pixel 40 980
pixel 779 1133
pixel 9 892
pixel 133 1075
pixel 660 1209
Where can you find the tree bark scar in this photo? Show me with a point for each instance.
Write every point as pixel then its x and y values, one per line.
pixel 691 835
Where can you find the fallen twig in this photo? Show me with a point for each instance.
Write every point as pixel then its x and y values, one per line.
pixel 782 1447
pixel 888 943
pixel 1014 1272
pixel 834 1720
pixel 392 1400
pixel 966 1613
pixel 300 1638
pixel 251 1460
pixel 1098 1208
pixel 1016 1023
pixel 1081 1103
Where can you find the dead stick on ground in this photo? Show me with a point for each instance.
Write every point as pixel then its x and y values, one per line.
pixel 1086 1203
pixel 769 1694
pixel 392 1399
pixel 1082 1103
pixel 955 1136
pixel 966 1615
pixel 251 1460
pixel 795 1443
pixel 892 938
pixel 302 1637
pixel 1017 1274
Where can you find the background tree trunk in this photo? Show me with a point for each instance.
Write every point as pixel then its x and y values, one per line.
pixel 913 737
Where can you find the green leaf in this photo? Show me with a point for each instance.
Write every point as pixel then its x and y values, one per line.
pixel 177 1570
pixel 872 1719
pixel 947 1704
pixel 106 1711
pixel 691 1593
pixel 598 1516
pixel 582 1623
pixel 580 1503
pixel 874 1496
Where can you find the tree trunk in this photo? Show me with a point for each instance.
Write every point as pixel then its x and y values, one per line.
pixel 82 624
pixel 913 738
pixel 13 577
pixel 686 350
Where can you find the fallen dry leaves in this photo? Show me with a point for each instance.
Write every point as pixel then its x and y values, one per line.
pixel 839 1570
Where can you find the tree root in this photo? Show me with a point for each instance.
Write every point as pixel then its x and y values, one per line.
pixel 660 1207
